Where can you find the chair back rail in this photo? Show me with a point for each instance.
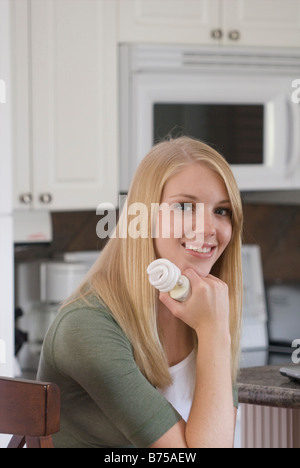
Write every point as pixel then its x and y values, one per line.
pixel 30 411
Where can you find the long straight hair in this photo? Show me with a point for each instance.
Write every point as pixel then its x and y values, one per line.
pixel 119 276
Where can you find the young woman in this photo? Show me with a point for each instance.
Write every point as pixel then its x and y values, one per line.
pixel 135 367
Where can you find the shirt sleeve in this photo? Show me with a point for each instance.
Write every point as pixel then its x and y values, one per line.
pixel 235 394
pixel 91 348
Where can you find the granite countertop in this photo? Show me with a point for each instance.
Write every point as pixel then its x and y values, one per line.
pixel 267 387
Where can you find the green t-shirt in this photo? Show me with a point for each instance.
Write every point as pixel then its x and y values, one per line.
pixel 105 399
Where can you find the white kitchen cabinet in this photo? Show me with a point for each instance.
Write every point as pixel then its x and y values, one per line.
pixel 21 106
pixel 66 151
pixel 273 23
pixel 168 21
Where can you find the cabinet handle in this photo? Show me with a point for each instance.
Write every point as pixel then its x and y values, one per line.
pixel 234 35
pixel 46 198
pixel 217 34
pixel 25 198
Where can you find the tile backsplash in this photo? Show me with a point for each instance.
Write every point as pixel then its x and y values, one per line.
pixel 276 228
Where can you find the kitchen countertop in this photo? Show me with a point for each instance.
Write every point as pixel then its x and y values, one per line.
pixel 267 387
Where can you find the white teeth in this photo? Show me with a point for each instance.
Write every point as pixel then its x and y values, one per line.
pixel 198 249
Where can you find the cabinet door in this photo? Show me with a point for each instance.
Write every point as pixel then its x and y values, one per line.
pixel 22 187
pixel 74 103
pixel 169 21
pixel 274 23
pixel 5 113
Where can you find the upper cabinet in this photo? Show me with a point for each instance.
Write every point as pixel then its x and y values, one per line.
pixel 273 23
pixel 169 21
pixel 65 81
pixel 65 113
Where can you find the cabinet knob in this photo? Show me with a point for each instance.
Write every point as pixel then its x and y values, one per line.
pixel 234 35
pixel 46 198
pixel 25 198
pixel 217 34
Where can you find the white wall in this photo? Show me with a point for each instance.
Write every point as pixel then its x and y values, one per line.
pixel 6 228
pixel 6 238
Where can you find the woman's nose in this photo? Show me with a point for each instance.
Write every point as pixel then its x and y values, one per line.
pixel 209 225
pixel 203 225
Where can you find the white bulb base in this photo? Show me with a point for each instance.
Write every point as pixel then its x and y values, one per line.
pixel 182 290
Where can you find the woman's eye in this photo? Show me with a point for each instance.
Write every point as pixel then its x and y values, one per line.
pixel 224 212
pixel 183 206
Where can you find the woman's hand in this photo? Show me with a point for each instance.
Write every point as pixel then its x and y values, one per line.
pixel 207 312
pixel 208 306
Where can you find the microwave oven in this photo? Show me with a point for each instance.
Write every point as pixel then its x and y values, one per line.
pixel 239 100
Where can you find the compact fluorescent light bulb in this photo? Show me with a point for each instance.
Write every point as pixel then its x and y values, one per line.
pixel 166 277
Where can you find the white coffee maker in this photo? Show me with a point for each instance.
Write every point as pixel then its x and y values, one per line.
pixel 41 288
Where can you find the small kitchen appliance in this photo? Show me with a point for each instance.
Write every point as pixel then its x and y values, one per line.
pixel 41 287
pixel 239 100
pixel 284 321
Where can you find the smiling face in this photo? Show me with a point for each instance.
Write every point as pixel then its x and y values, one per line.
pixel 196 184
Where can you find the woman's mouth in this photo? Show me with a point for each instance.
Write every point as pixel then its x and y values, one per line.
pixel 204 251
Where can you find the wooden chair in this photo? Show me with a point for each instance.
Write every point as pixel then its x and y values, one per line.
pixel 30 411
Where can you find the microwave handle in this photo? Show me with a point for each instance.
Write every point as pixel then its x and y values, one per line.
pixel 293 147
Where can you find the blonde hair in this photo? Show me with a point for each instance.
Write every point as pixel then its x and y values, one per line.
pixel 119 276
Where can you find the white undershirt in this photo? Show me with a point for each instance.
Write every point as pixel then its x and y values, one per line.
pixel 180 394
